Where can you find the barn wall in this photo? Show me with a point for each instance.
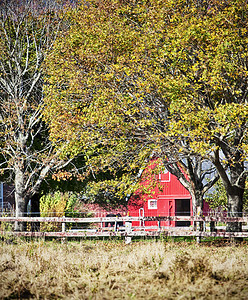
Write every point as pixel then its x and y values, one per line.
pixel 164 200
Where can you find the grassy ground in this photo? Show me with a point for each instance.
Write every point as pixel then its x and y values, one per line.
pixel 113 270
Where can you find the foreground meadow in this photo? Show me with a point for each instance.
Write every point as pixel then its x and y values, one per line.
pixel 113 270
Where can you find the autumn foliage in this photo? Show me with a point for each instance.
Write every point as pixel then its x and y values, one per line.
pixel 130 79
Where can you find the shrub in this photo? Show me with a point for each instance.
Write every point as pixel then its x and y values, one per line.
pixel 57 205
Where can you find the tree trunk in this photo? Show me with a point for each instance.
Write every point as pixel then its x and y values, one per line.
pixel 20 200
pixel 199 211
pixel 234 184
pixel 235 208
pixel 197 202
pixel 21 209
pixel 235 197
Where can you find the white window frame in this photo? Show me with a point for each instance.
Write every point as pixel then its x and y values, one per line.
pixel 151 206
pixel 160 177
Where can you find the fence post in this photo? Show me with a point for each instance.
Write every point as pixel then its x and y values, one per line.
pixel 159 225
pixel 63 231
pixel 141 215
pixel 128 230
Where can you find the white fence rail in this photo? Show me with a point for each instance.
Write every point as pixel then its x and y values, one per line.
pixel 98 228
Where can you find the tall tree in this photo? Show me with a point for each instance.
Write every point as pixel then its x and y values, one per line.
pixel 107 82
pixel 27 30
pixel 206 44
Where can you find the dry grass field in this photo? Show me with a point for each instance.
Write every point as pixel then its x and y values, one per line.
pixel 113 270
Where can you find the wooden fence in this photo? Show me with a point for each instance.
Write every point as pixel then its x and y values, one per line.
pixel 95 227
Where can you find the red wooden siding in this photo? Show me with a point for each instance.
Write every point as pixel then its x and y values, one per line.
pixel 168 198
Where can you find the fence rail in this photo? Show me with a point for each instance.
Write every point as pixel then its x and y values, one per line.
pixel 223 219
pixel 128 230
pixel 170 233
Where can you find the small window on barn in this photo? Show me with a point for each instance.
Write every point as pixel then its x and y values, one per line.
pixel 165 176
pixel 152 204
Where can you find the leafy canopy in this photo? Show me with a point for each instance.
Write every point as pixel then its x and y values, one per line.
pixel 133 78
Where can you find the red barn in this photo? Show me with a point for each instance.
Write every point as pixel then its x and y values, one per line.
pixel 169 198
